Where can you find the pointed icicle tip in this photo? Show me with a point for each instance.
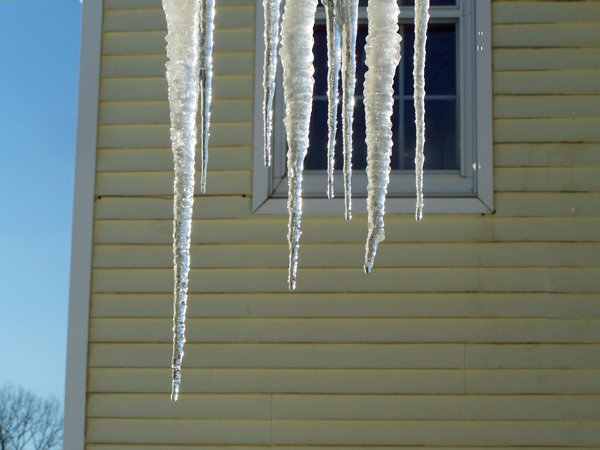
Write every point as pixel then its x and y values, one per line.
pixel 175 394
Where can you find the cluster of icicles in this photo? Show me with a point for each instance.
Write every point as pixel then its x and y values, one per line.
pixel 190 26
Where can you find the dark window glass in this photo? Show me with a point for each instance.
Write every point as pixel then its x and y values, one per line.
pixel 441 147
pixel 412 2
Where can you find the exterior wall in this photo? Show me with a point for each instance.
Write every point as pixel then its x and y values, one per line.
pixel 473 331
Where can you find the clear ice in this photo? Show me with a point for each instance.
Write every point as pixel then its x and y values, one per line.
pixel 271 37
pixel 342 21
pixel 383 56
pixel 298 82
pixel 421 21
pixel 207 26
pixel 183 51
pixel 349 21
pixel 334 62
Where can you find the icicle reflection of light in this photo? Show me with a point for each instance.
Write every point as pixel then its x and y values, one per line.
pixel 298 82
pixel 341 22
pixel 383 56
pixel 334 62
pixel 349 20
pixel 421 21
pixel 271 37
pixel 207 26
pixel 182 78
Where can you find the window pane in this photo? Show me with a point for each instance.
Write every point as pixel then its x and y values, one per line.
pixel 441 140
pixel 432 2
pixel 412 2
pixel 442 108
pixel 440 68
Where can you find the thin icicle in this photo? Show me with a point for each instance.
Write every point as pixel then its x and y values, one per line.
pixel 383 57
pixel 421 21
pixel 349 21
pixel 271 37
pixel 207 26
pixel 298 82
pixel 334 61
pixel 182 77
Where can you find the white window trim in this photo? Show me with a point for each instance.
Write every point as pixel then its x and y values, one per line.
pixel 480 112
pixel 83 210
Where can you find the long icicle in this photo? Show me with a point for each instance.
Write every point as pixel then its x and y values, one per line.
pixel 298 82
pixel 334 61
pixel 349 23
pixel 383 57
pixel 271 37
pixel 182 77
pixel 421 22
pixel 207 26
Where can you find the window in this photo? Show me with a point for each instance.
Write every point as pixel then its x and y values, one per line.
pixel 458 165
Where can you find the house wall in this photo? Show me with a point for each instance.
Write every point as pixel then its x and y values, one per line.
pixel 473 331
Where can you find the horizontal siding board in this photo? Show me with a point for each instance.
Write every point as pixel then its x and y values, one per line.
pixel 152 19
pixel 289 381
pixel 509 381
pixel 546 106
pixel 547 130
pixel 561 356
pixel 417 433
pixel 205 207
pixel 296 447
pixel 239 182
pixel 337 255
pixel 546 35
pixel 353 280
pixel 547 155
pixel 225 134
pixel 128 89
pixel 401 229
pixel 546 11
pixel 159 159
pixel 546 58
pixel 547 204
pixel 585 179
pixel 157 112
pixel 550 82
pixel 161 183
pixel 140 66
pixel 138 43
pixel 227 407
pixel 283 356
pixel 347 407
pixel 343 432
pixel 239 207
pixel 178 431
pixel 431 408
pixel 345 381
pixel 398 304
pixel 449 330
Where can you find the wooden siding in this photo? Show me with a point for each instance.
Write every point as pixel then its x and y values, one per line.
pixel 473 331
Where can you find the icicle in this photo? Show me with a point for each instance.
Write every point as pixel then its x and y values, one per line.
pixel 298 82
pixel 334 61
pixel 207 26
pixel 349 30
pixel 182 77
pixel 421 21
pixel 383 57
pixel 271 36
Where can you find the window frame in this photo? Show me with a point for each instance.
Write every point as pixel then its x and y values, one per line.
pixel 475 97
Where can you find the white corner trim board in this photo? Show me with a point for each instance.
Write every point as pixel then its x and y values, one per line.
pixel 83 209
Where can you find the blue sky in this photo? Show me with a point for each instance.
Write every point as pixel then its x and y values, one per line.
pixel 39 56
